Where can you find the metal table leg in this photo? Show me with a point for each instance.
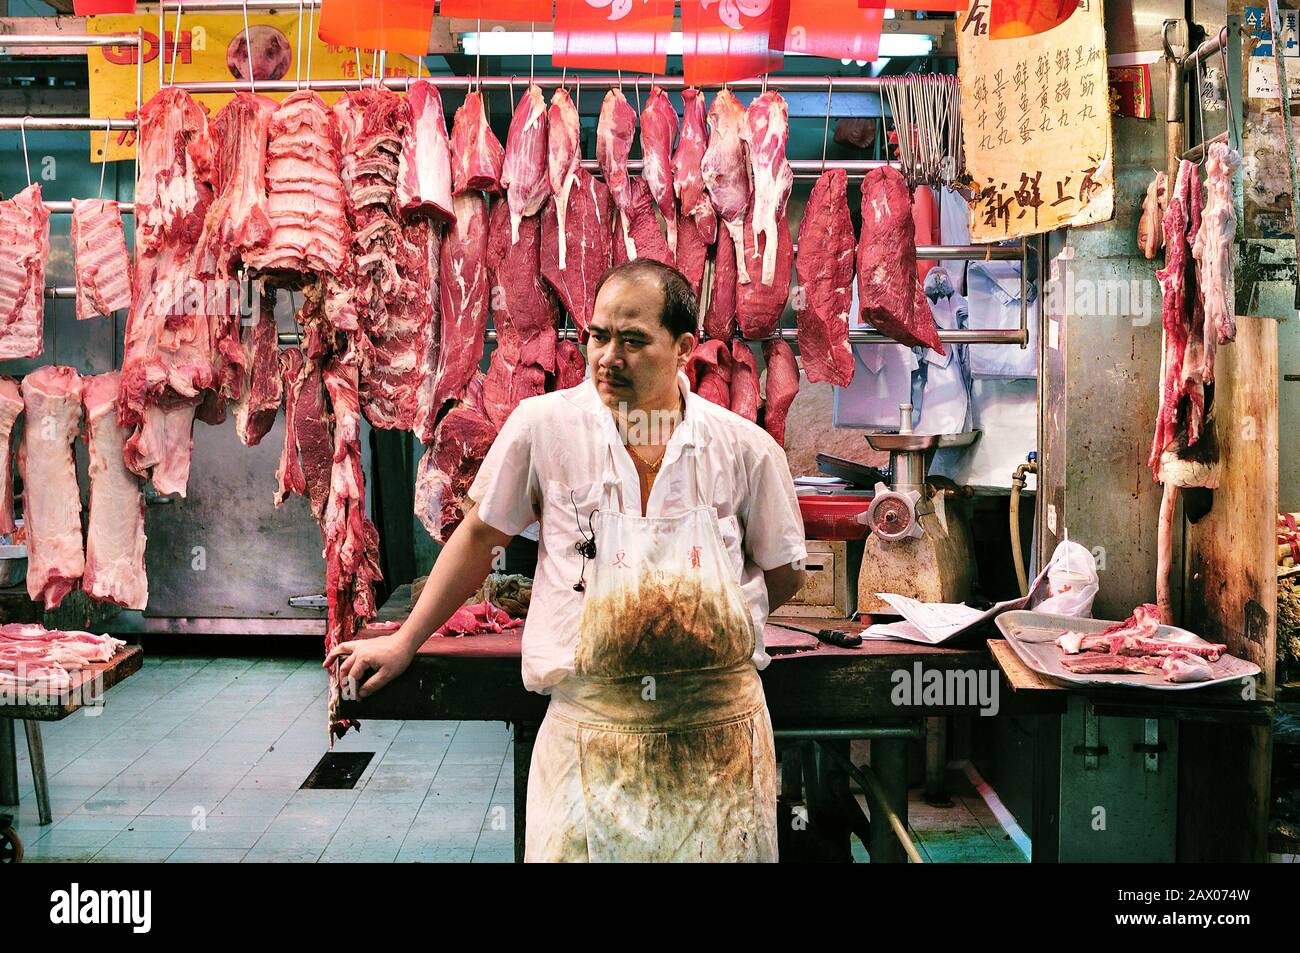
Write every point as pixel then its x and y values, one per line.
pixel 36 752
pixel 936 761
pixel 8 763
pixel 889 765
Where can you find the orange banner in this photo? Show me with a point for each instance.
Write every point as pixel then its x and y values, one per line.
pixel 731 39
pixel 1012 18
pixel 401 26
pixel 930 6
pixel 613 34
pixel 837 29
pixel 522 11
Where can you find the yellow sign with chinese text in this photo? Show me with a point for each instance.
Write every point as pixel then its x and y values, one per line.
pixel 214 48
pixel 1036 125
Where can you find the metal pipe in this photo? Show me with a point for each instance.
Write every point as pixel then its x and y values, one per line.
pixel 879 802
pixel 68 39
pixel 1197 152
pixel 64 208
pixel 1206 50
pixel 785 83
pixel 858 733
pixel 51 123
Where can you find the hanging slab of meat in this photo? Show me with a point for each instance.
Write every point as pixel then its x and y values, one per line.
pixel 588 236
pixel 262 389
pixel 825 294
pixel 720 314
pixel 891 297
pixel 525 172
pixel 782 386
pixel 371 123
pixel 451 462
pixel 759 306
pixel 570 366
pixel 658 133
pixel 476 154
pixel 1175 310
pixel 646 238
pixel 509 380
pixel 1150 237
pixel 688 170
pixel 1213 246
pixel 709 371
pixel 614 132
pixel 289 476
pixel 563 154
pixel 692 253
pixel 238 222
pixel 307 458
pixel 305 201
pixel 525 312
pixel 399 366
pixel 766 131
pixel 102 262
pixel 11 407
pixel 744 381
pixel 424 166
pixel 51 500
pixel 175 174
pixel 25 235
pixel 463 299
pixel 726 170
pixel 115 537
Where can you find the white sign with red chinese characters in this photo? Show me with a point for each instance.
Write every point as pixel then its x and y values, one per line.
pixel 1036 125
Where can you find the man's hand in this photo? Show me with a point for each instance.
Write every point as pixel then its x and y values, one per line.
pixel 371 663
pixel 782 584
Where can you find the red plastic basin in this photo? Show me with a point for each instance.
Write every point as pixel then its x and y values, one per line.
pixel 834 517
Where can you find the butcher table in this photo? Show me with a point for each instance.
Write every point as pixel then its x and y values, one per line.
pixel 85 691
pixel 820 698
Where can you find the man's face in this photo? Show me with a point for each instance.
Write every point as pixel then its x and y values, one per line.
pixel 633 358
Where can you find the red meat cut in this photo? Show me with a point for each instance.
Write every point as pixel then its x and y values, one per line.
pixel 782 387
pixel 759 306
pixel 476 154
pixel 587 239
pixel 524 172
pixel 825 295
pixel 424 166
pixel 744 381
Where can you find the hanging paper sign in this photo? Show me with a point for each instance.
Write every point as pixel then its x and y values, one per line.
pixel 1036 125
pixel 514 11
pixel 1011 18
pixel 401 26
pixel 725 40
pixel 836 29
pixel 613 34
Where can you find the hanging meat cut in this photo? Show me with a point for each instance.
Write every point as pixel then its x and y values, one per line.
pixel 645 237
pixel 476 154
pixel 1176 310
pixel 424 166
pixel 744 381
pixel 614 132
pixel 175 156
pixel 51 500
pixel 587 238
pixel 1150 237
pixel 765 132
pixel 115 537
pixel 463 300
pixel 563 154
pixel 237 223
pixel 782 387
pixel 726 170
pixel 525 173
pixel 759 305
pixel 1213 247
pixel 508 381
pixel 307 458
pixel 25 236
pixel 451 462
pixel 524 310
pixel 11 407
pixel 688 169
pixel 658 133
pixel 891 296
pixel 825 285
pixel 102 262
pixel 305 202
pixel 261 389
pixel 570 366
pixel 720 314
pixel 709 372
pixel 692 253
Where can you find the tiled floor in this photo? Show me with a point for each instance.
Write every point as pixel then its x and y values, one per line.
pixel 197 759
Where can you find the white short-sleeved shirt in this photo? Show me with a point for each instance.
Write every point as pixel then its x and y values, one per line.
pixel 549 460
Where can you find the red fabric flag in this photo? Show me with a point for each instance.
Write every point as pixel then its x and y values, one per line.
pixel 1012 18
pixel 725 40
pixel 613 34
pixel 931 6
pixel 91 8
pixel 837 29
pixel 521 11
pixel 401 26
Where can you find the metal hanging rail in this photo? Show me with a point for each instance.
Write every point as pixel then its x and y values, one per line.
pixel 64 123
pixel 779 83
pixel 1215 44
pixel 67 39
pixel 65 208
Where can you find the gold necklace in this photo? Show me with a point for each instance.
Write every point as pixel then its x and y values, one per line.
pixel 652 467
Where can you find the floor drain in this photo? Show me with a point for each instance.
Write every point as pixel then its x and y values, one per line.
pixel 338 771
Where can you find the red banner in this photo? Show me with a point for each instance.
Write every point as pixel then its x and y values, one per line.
pixel 836 29
pixel 613 34
pixel 401 26
pixel 90 8
pixel 725 40
pixel 1012 18
pixel 521 11
pixel 930 6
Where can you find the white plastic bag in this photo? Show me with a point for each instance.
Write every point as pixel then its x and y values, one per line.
pixel 1072 582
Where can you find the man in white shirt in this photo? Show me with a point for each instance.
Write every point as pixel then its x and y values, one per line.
pixel 670 529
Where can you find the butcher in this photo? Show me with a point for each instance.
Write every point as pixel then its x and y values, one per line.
pixel 669 530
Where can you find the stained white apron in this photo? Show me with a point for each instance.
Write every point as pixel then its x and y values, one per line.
pixel 659 747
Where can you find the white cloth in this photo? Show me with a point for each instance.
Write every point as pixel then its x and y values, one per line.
pixel 954 229
pixel 945 400
pixel 550 456
pixel 993 300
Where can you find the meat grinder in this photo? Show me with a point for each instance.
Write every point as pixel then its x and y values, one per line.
pixel 920 542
